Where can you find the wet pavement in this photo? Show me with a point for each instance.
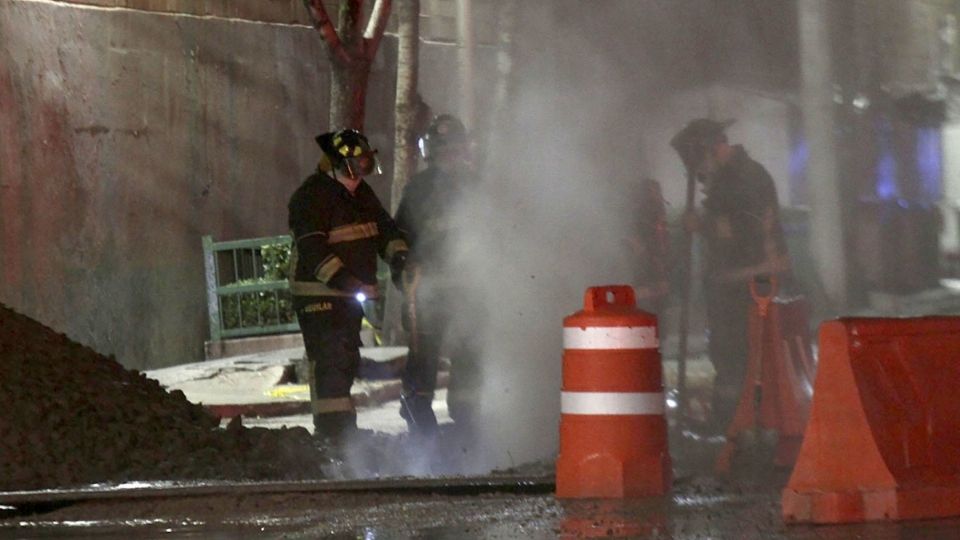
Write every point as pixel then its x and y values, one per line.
pixel 698 507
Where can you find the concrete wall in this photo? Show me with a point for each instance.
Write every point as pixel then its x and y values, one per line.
pixel 127 135
pixel 131 128
pixel 280 11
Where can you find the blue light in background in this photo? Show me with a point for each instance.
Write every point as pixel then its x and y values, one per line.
pixel 885 187
pixel 929 166
pixel 930 163
pixel 798 170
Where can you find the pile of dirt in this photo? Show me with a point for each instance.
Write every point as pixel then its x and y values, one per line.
pixel 70 416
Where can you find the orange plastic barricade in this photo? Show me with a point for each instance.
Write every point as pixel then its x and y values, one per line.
pixel 777 387
pixel 613 434
pixel 883 441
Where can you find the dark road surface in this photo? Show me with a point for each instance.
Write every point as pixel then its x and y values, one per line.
pixel 698 507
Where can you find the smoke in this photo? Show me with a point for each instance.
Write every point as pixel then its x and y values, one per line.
pixel 549 219
pixel 598 92
pixel 596 96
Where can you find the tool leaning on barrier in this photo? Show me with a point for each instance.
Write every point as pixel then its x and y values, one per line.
pixel 777 386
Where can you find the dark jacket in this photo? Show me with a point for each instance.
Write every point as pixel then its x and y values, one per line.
pixel 430 214
pixel 338 235
pixel 742 217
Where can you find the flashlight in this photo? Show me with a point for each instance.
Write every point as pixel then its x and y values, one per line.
pixel 361 297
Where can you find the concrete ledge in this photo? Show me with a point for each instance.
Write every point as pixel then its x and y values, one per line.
pixel 252 345
pixel 380 394
pixel 940 301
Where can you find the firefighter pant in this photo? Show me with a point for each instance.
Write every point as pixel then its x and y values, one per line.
pixel 437 324
pixel 728 311
pixel 331 335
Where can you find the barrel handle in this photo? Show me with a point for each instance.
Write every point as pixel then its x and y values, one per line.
pixel 596 297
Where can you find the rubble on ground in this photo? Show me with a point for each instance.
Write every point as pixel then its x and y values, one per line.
pixel 70 416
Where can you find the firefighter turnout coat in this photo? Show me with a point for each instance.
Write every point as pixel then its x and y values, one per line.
pixel 742 217
pixel 337 234
pixel 430 214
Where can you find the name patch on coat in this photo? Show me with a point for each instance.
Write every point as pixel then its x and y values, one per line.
pixel 318 307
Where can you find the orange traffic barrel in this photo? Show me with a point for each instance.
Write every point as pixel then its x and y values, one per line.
pixel 613 433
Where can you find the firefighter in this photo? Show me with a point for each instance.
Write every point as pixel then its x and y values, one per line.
pixel 743 240
pixel 434 311
pixel 339 227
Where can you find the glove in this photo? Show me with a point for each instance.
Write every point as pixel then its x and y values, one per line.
pixel 345 281
pixel 369 291
pixel 397 265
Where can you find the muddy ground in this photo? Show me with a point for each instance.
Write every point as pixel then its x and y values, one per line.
pixel 73 417
pixel 70 416
pixel 700 505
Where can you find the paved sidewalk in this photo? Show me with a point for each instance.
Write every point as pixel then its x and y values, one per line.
pixel 258 387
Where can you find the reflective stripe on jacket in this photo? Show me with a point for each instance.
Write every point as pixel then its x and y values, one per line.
pixel 335 231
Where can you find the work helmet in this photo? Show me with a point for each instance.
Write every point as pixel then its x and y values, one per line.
pixel 692 142
pixel 444 130
pixel 349 151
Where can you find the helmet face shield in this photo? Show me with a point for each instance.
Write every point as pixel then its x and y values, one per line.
pixel 444 131
pixel 365 164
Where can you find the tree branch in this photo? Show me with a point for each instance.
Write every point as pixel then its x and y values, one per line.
pixel 322 22
pixel 376 26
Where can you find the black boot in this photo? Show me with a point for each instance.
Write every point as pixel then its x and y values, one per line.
pixel 334 427
pixel 417 410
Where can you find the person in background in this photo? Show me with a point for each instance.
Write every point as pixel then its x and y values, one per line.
pixel 339 228
pixel 743 240
pixel 434 311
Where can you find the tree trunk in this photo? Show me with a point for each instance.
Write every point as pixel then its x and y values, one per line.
pixel 348 94
pixel 352 50
pixel 507 14
pixel 348 80
pixel 405 135
pixel 466 49
pixel 408 69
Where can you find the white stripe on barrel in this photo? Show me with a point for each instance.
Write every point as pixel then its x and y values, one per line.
pixel 611 403
pixel 612 337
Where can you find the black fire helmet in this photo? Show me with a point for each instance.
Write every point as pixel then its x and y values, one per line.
pixel 696 137
pixel 349 150
pixel 444 130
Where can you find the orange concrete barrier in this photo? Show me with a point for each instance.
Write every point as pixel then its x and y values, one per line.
pixel 883 441
pixel 613 434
